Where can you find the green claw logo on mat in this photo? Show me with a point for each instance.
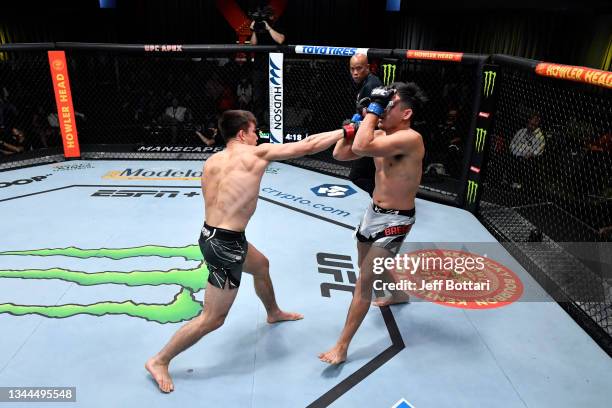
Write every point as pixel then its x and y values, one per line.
pixel 471 193
pixel 183 307
pixel 489 84
pixel 481 135
pixel 388 74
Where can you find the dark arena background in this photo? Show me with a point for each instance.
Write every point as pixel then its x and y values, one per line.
pixel 109 110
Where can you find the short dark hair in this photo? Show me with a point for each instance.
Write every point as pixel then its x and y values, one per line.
pixel 411 95
pixel 233 121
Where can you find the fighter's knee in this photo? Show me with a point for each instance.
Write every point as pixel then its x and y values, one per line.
pixel 262 266
pixel 218 321
pixel 212 322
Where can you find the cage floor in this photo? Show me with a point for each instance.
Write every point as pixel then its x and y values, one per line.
pixel 95 329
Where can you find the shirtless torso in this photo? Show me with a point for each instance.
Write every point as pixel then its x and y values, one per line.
pixel 230 184
pixel 398 176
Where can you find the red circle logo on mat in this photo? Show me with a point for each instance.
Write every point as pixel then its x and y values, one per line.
pixel 446 277
pixel 58 65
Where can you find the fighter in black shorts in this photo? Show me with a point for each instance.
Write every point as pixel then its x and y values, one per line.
pixel 230 185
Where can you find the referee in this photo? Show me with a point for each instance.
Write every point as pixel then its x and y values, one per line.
pixel 362 170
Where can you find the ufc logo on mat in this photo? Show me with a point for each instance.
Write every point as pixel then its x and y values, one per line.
pixel 335 265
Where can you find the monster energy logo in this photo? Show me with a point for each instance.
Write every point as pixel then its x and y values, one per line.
pixel 481 136
pixel 489 84
pixel 388 74
pixel 471 191
pixel 183 306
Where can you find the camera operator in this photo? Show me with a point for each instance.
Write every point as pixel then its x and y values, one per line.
pixel 263 33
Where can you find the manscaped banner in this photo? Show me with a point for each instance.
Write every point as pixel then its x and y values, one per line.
pixel 435 55
pixel 63 101
pixel 586 75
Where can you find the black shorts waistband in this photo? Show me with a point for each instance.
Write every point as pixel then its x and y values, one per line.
pixel 406 213
pixel 224 234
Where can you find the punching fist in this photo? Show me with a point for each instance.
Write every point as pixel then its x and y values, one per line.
pixel 350 127
pixel 380 98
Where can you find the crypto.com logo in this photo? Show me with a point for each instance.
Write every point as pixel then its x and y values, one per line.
pixel 333 190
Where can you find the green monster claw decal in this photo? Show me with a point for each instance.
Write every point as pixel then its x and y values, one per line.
pixel 183 307
pixel 471 191
pixel 388 73
pixel 489 83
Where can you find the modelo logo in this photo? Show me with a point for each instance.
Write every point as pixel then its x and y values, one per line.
pixel 333 190
pixel 318 50
pixel 21 182
pixel 154 174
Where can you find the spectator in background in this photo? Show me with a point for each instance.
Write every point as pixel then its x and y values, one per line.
pixel 362 169
pixel 444 148
pixel 8 111
pixel 13 141
pixel 529 141
pixel 527 144
pixel 55 134
pixel 244 92
pixel 599 157
pixel 209 135
pixel 53 137
pixel 176 115
pixel 41 131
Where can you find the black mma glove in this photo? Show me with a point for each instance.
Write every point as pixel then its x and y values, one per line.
pixel 380 98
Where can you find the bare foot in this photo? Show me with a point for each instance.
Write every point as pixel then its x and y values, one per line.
pixel 336 355
pixel 396 298
pixel 160 374
pixel 281 316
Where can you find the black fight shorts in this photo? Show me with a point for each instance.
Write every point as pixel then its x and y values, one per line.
pixel 224 252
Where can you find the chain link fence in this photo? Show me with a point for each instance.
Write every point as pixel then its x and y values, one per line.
pixel 548 186
pixel 28 117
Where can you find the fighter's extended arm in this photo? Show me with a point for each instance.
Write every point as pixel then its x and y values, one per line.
pixel 310 145
pixel 343 149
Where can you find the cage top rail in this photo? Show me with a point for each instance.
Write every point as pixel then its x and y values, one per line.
pixel 322 50
pixel 573 73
